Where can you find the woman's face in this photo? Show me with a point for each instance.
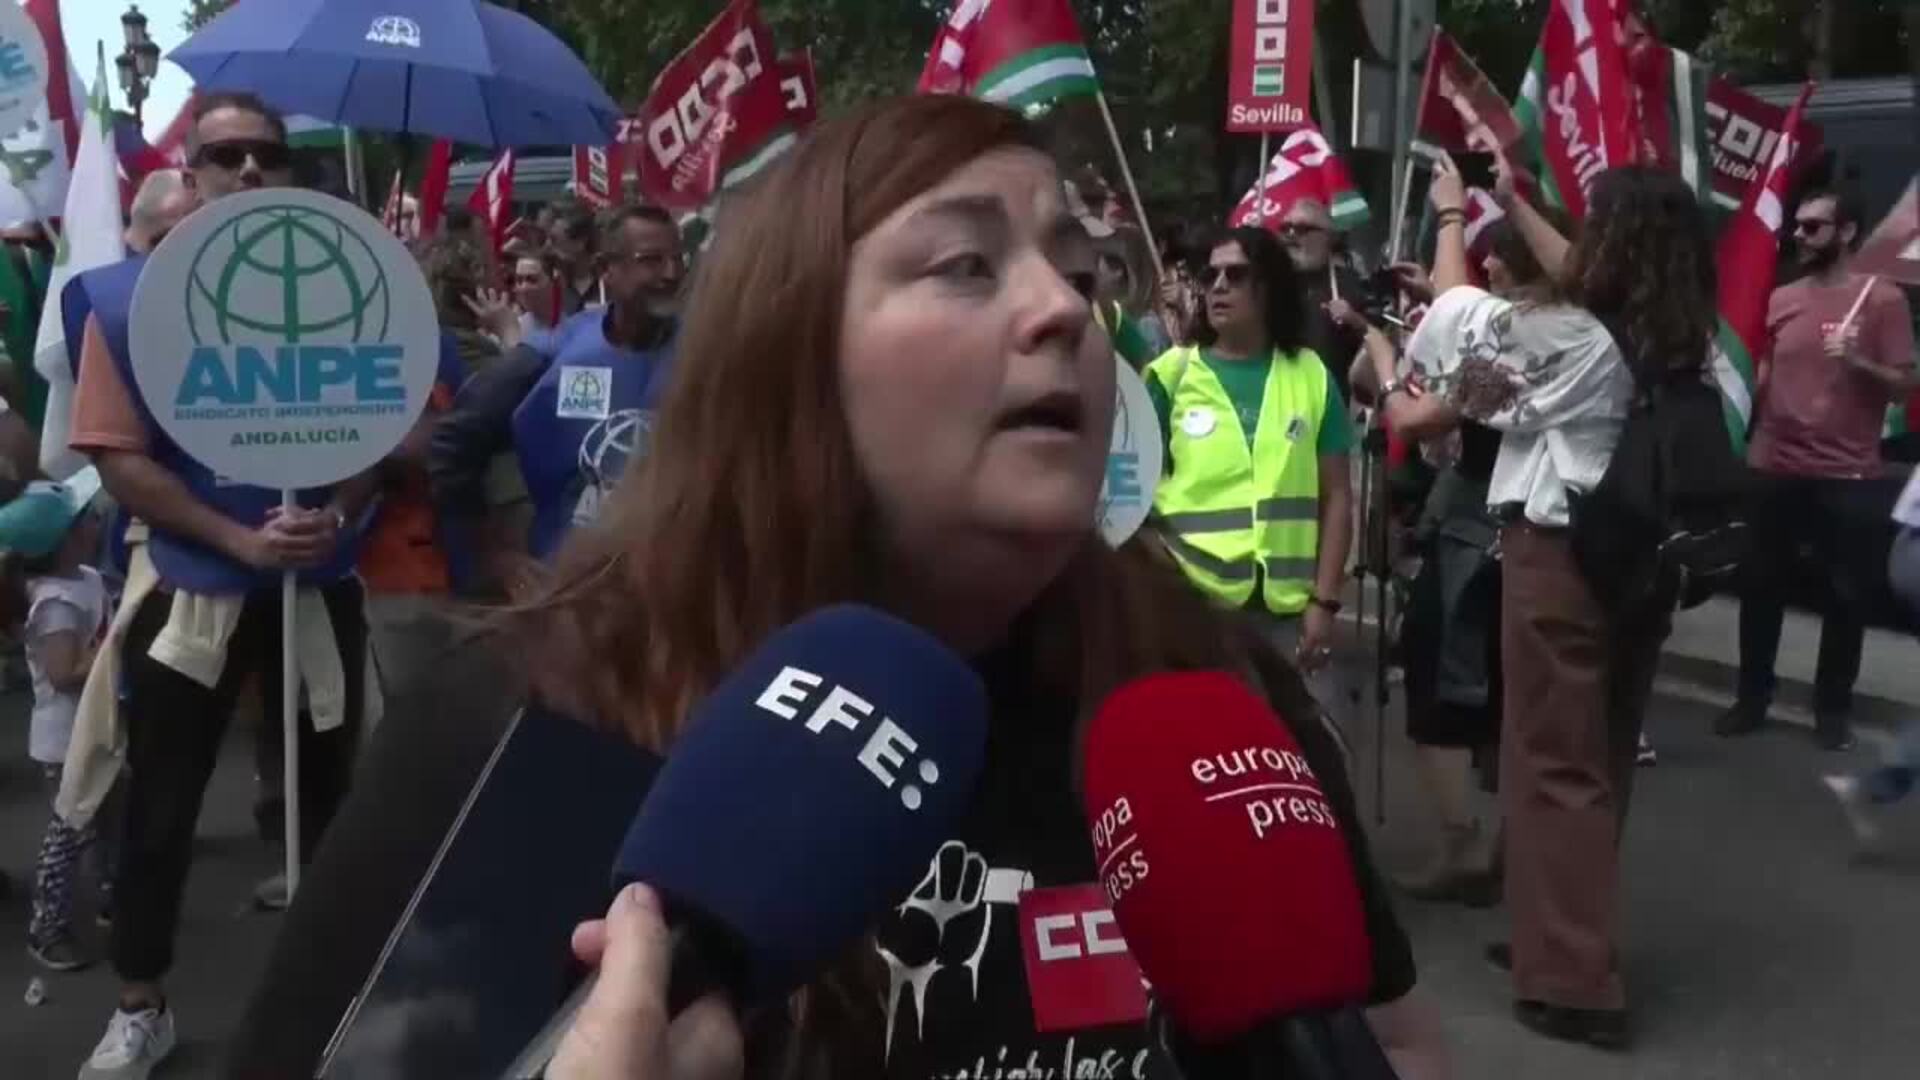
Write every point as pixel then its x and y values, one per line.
pixel 978 394
pixel 530 285
pixel 1499 279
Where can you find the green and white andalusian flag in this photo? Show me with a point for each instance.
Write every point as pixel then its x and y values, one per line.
pixel 1024 53
pixel 90 237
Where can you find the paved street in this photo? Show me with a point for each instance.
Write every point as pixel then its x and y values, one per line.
pixel 1756 950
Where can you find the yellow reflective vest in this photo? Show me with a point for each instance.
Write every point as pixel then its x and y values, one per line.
pixel 1235 517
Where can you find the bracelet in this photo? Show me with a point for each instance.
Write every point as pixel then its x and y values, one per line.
pixel 1451 217
pixel 1331 607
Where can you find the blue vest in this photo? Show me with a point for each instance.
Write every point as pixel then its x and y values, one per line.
pixel 76 300
pixel 76 304
pixel 591 410
pixel 181 562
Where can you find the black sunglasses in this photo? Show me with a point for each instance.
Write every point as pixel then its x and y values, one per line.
pixel 232 154
pixel 1236 274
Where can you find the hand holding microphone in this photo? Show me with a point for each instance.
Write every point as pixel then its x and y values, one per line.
pixel 800 802
pixel 624 1032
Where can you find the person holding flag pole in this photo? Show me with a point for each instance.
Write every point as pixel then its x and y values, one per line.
pixel 1841 347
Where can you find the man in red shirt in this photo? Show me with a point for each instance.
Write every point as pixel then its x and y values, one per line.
pixel 1821 407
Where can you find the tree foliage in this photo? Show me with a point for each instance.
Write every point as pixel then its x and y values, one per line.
pixel 201 12
pixel 1163 63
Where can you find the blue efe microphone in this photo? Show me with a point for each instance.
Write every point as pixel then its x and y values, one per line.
pixel 804 798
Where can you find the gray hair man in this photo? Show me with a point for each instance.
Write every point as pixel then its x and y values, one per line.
pixel 1307 231
pixel 163 201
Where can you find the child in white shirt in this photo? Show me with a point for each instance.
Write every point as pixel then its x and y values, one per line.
pixel 48 535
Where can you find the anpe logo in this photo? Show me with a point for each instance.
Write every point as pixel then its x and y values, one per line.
pixel 304 278
pixel 583 390
pixel 395 30
pixel 283 338
pixel 23 82
pixel 17 70
pixel 1133 458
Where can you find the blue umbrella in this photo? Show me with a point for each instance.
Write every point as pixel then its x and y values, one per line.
pixel 461 70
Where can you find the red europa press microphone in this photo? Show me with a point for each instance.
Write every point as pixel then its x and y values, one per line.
pixel 1227 871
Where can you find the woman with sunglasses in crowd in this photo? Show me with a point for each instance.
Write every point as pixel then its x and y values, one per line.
pixel 914 413
pixel 1629 307
pixel 1257 503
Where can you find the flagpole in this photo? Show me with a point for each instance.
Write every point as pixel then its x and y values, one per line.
pixel 1260 186
pixel 1402 137
pixel 1401 199
pixel 1133 190
pixel 1858 302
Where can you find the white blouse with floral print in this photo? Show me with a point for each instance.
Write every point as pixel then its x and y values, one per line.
pixel 1547 376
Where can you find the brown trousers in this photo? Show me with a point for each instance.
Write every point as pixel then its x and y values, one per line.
pixel 1576 696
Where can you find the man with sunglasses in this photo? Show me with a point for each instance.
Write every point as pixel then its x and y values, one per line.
pixel 1306 231
pixel 209 544
pixel 1818 416
pixel 574 403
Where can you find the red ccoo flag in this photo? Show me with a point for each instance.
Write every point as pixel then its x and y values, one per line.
pixel 1749 246
pixel 1305 168
pixel 716 114
pixel 433 186
pixel 1577 103
pixel 800 87
pixel 1222 856
pixel 492 201
pixel 599 178
pixel 1459 109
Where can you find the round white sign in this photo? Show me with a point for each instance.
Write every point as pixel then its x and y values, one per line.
pixel 1133 460
pixel 284 339
pixel 23 69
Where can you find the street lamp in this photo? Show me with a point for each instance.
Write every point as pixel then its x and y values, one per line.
pixel 139 62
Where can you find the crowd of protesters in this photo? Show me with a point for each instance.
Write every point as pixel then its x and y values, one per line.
pixel 1525 362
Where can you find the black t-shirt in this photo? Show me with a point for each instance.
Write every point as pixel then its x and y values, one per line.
pixel 959 1000
pixel 1335 343
pixel 959 1003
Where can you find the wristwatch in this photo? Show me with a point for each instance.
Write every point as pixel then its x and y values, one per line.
pixel 1392 387
pixel 1331 607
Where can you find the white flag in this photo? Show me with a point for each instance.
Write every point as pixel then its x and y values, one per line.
pixel 90 237
pixel 35 162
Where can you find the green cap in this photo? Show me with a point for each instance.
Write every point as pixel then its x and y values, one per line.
pixel 34 524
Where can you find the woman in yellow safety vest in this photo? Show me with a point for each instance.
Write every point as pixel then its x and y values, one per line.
pixel 1257 503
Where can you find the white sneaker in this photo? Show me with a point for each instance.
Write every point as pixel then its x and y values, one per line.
pixel 134 1043
pixel 1866 830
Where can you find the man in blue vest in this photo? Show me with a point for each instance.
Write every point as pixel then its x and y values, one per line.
pixel 215 548
pixel 574 404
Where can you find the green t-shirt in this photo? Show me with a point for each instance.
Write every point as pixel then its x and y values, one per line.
pixel 1245 382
